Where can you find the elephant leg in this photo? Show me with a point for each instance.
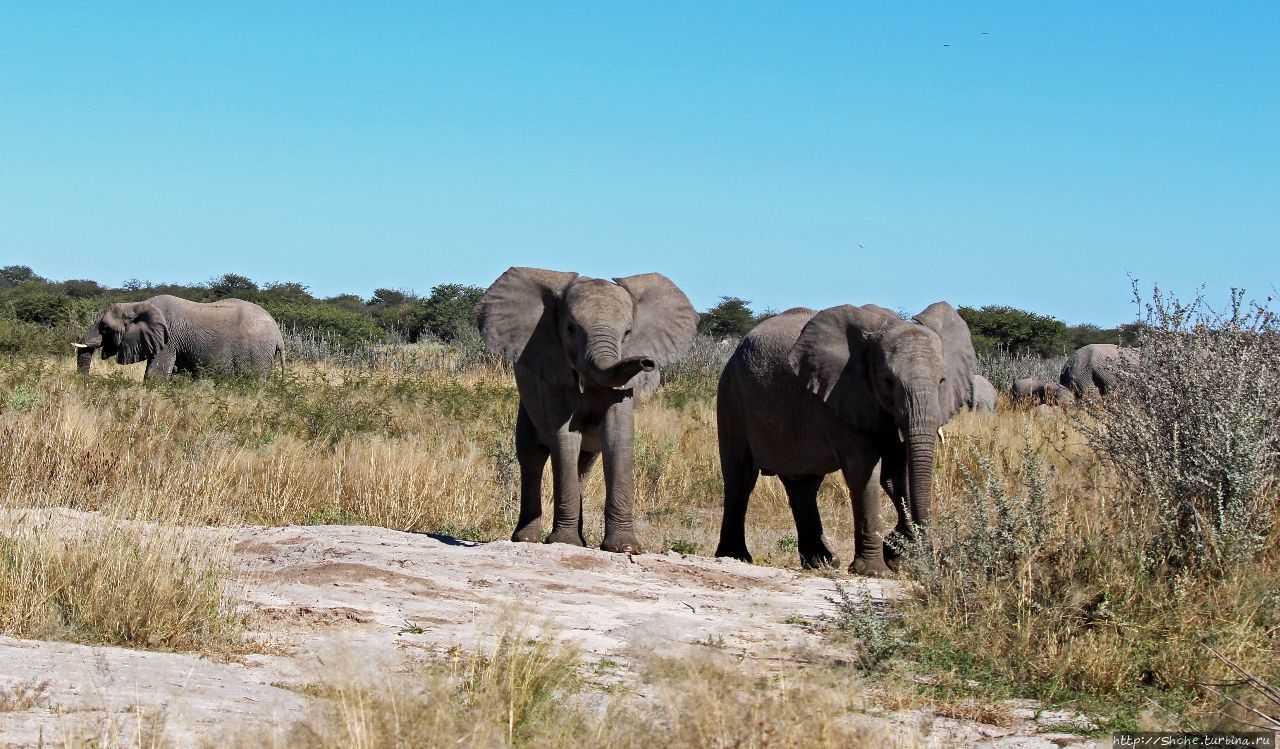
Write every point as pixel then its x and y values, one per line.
pixel 861 473
pixel 566 490
pixel 618 443
pixel 740 475
pixel 160 366
pixel 533 460
pixel 894 480
pixel 586 461
pixel 815 548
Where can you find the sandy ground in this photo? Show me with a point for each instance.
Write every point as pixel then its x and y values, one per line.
pixel 319 593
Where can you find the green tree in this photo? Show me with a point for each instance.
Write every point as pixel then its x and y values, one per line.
pixel 732 317
pixel 287 293
pixel 449 311
pixel 16 275
pixel 79 288
pixel 233 285
pixel 1018 331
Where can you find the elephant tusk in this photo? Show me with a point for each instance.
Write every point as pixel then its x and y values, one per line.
pixel 942 435
pixel 581 387
pixel 79 345
pixel 902 437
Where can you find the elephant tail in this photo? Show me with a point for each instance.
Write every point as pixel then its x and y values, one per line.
pixel 280 353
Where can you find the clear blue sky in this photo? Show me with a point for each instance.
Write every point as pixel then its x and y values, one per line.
pixel 788 153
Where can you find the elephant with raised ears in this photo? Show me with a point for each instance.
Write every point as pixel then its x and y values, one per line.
pixel 852 389
pixel 1091 370
pixel 584 349
pixel 230 337
pixel 984 395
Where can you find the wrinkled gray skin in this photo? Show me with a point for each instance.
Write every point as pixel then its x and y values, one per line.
pixel 583 348
pixel 1090 371
pixel 227 337
pixel 1029 390
pixel 852 389
pixel 984 395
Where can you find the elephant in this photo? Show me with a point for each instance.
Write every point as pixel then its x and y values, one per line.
pixel 583 350
pixel 984 395
pixel 854 389
pixel 227 337
pixel 1091 369
pixel 1031 390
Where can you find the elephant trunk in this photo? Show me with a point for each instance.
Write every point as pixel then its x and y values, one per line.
pixel 922 418
pixel 86 347
pixel 84 358
pixel 604 363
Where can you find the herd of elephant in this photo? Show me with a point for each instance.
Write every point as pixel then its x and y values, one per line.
pixel 858 390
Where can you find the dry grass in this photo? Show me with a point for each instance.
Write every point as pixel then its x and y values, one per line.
pixel 1039 586
pixel 419 438
pixel 113 582
pixel 409 444
pixel 535 692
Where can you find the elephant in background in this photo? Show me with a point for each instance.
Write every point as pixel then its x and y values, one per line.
pixel 984 395
pixel 583 348
pixel 853 389
pixel 1031 390
pixel 1091 369
pixel 227 337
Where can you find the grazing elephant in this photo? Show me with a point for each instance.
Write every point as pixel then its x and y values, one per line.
pixel 226 337
pixel 808 393
pixel 583 349
pixel 1091 370
pixel 1031 390
pixel 984 395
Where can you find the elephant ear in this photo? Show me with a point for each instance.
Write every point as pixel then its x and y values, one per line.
pixel 664 321
pixel 959 361
pixel 519 319
pixel 830 357
pixel 145 333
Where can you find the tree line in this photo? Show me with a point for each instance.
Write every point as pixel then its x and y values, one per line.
pixel 36 311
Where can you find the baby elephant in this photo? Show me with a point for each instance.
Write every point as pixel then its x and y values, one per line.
pixel 227 337
pixel 1033 391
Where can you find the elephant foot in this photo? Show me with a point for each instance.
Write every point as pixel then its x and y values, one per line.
pixel 870 568
pixel 622 543
pixel 529 533
pixel 569 536
pixel 734 551
pixel 818 556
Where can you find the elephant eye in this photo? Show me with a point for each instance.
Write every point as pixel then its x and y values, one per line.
pixel 627 332
pixel 569 328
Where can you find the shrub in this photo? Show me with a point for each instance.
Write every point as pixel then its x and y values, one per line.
pixel 1194 427
pixel 1003 367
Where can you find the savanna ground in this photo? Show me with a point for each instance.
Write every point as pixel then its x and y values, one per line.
pixel 1047 579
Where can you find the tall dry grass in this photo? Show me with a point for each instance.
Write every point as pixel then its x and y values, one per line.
pixel 415 439
pixel 118 583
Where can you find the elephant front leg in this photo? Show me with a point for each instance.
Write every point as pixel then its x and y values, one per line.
pixel 533 460
pixel 160 366
pixel 566 490
pixel 618 435
pixel 893 477
pixel 861 473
